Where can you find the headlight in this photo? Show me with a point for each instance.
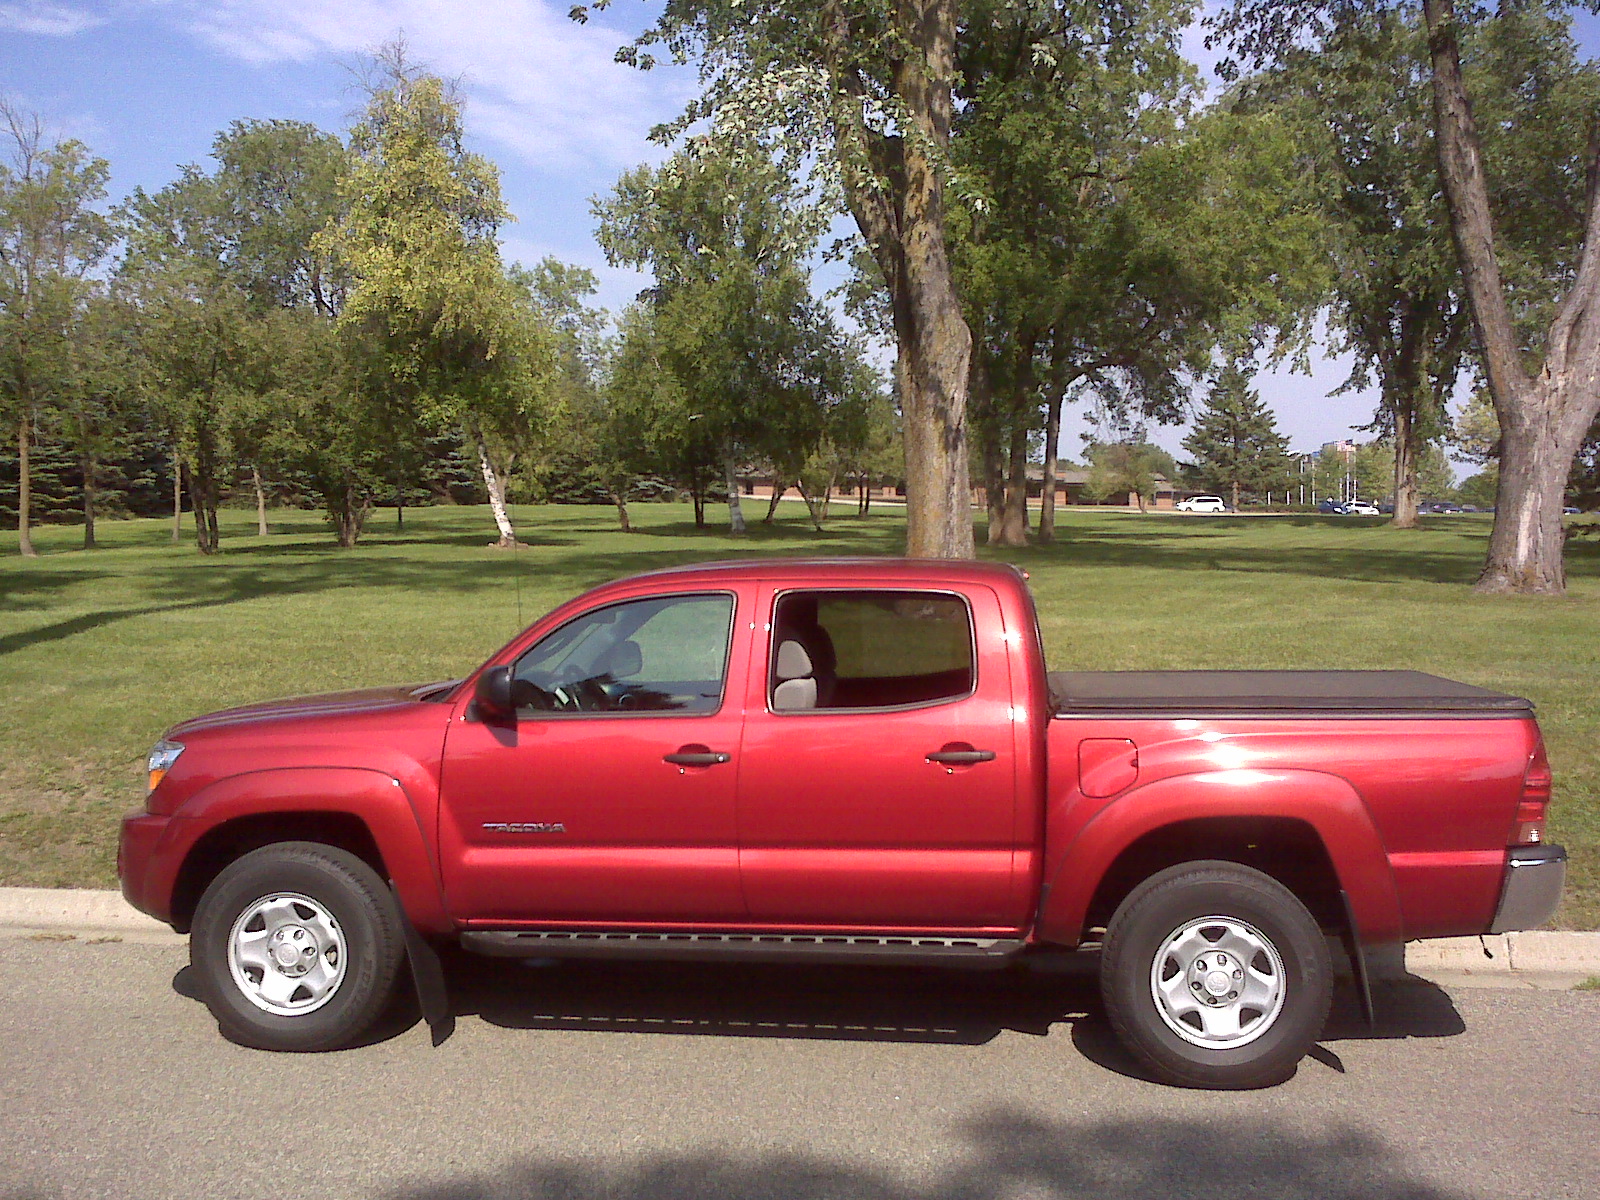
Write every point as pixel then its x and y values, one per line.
pixel 162 756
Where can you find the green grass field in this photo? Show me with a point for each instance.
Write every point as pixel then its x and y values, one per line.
pixel 100 651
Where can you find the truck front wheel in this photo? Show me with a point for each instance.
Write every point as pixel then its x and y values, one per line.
pixel 296 946
pixel 1215 975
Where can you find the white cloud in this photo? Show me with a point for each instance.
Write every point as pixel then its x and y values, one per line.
pixel 539 84
pixel 43 17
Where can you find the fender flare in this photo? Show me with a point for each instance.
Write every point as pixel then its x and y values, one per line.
pixel 377 799
pixel 1327 803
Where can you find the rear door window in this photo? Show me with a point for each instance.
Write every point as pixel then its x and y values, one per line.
pixel 869 649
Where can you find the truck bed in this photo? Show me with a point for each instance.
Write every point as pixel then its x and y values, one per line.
pixel 1276 694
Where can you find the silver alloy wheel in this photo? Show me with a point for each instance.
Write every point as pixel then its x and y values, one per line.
pixel 287 954
pixel 1218 982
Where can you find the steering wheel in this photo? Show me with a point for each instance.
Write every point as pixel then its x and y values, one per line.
pixel 539 692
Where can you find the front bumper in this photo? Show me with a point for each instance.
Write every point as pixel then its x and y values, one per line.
pixel 136 863
pixel 1532 887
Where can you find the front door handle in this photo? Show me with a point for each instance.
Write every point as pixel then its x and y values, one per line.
pixel 962 758
pixel 696 758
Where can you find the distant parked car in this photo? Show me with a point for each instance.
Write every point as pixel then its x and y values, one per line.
pixel 1210 504
pixel 1441 506
pixel 1330 505
pixel 1360 508
pixel 1572 510
pixel 1385 509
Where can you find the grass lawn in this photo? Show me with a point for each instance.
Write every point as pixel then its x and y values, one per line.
pixel 100 651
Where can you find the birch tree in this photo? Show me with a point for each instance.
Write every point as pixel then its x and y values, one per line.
pixel 430 316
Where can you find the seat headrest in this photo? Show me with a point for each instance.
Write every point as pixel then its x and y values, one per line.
pixel 793 661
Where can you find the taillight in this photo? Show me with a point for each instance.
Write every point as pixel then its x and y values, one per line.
pixel 1528 829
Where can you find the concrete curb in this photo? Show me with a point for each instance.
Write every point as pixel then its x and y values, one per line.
pixel 86 913
pixel 77 912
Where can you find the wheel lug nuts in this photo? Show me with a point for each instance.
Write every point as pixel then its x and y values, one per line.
pixel 1233 995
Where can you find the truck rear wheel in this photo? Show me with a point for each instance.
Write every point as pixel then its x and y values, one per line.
pixel 1215 975
pixel 296 946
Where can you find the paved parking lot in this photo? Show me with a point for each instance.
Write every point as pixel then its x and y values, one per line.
pixel 650 1082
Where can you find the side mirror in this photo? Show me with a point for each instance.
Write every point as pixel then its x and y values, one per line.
pixel 493 695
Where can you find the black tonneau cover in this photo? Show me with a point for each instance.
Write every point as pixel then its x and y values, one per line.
pixel 1275 693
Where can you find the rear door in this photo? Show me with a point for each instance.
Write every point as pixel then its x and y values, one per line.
pixel 877 777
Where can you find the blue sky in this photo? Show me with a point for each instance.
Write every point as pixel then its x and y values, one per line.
pixel 148 83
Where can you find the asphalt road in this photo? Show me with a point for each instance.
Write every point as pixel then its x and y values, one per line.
pixel 654 1082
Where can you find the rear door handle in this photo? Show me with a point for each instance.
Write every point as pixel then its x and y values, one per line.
pixel 961 757
pixel 696 758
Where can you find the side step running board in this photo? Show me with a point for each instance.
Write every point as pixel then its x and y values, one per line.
pixel 887 949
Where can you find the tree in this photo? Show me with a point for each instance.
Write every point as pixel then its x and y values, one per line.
pixel 590 445
pixel 1361 100
pixel 1537 332
pixel 192 329
pixel 866 91
pixel 433 325
pixel 1235 441
pixel 51 238
pixel 1108 237
pixel 757 359
pixel 277 184
pixel 1127 469
pixel 1475 432
pixel 1373 468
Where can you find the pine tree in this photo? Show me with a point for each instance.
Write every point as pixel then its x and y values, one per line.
pixel 1236 444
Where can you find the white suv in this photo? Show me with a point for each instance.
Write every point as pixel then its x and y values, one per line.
pixel 1212 504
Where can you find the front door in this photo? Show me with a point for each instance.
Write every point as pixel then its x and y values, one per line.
pixel 610 798
pixel 877 774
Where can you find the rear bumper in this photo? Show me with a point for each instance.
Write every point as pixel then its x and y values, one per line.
pixel 1532 888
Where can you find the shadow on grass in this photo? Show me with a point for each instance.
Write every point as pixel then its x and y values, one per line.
pixel 1004 1153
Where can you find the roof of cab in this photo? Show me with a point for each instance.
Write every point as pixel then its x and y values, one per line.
pixel 840 570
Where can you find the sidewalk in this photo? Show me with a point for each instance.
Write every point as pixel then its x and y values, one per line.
pixel 1537 959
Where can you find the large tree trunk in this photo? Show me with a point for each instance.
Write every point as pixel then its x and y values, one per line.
pixel 24 485
pixel 1014 511
pixel 1047 497
pixel 1542 417
pixel 620 499
pixel 1405 467
pixel 730 467
pixel 177 495
pixel 898 204
pixel 778 489
pixel 494 483
pixel 261 502
pixel 88 467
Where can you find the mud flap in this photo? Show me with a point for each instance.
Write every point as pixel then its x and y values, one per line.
pixel 1358 961
pixel 427 975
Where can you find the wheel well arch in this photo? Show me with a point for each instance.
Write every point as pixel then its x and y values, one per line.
pixel 1289 850
pixel 232 840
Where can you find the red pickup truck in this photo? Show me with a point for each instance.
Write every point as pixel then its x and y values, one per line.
pixel 861 761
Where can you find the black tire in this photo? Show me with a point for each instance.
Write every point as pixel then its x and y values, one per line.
pixel 320 901
pixel 1250 953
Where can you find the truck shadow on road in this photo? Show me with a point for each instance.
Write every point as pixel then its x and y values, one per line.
pixel 865 1004
pixel 1005 1154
